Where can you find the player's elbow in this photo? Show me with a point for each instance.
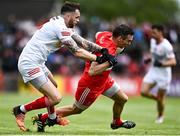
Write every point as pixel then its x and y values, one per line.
pixel 172 62
pixel 77 53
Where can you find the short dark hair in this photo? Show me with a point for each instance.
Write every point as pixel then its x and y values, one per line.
pixel 158 27
pixel 122 30
pixel 69 7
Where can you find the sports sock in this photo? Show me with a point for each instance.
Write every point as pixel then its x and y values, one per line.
pixel 37 104
pixel 117 121
pixel 44 117
pixel 51 112
pixel 22 108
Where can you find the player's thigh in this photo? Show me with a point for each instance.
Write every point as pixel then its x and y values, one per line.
pixel 163 86
pixel 45 86
pixel 50 90
pixel 49 75
pixel 77 109
pixel 112 91
pixel 146 87
pixel 111 88
pixel 120 96
pixel 85 96
pixel 163 83
pixel 149 81
pixel 70 109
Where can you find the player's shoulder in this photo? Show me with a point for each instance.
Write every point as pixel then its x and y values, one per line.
pixel 57 21
pixel 152 41
pixel 102 33
pixel 59 25
pixel 167 44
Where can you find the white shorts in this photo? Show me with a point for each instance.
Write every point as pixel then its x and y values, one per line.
pixel 112 91
pixel 30 71
pixel 154 77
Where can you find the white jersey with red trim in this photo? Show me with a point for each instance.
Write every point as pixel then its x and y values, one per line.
pixel 160 75
pixel 161 52
pixel 46 40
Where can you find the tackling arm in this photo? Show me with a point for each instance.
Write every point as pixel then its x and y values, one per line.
pixel 77 51
pixel 87 45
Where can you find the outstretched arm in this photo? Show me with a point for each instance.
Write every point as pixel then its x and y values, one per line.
pixel 71 45
pixel 87 45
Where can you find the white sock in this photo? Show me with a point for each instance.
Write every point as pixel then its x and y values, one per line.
pixel 52 115
pixel 22 108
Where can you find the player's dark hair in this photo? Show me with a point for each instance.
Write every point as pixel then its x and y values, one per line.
pixel 69 7
pixel 122 30
pixel 158 27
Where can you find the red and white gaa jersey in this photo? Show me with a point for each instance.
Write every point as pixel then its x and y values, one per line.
pixel 103 39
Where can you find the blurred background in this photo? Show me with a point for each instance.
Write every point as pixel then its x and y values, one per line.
pixel 19 19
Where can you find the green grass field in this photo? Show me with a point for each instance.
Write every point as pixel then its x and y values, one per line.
pixel 96 120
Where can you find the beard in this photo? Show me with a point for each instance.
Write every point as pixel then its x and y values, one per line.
pixel 71 24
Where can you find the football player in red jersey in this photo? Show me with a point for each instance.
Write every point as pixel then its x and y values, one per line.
pixel 96 80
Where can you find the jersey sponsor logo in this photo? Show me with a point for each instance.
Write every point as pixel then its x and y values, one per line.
pixel 33 71
pixel 65 33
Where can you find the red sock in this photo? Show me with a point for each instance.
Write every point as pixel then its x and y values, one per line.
pixel 44 117
pixel 117 121
pixel 37 104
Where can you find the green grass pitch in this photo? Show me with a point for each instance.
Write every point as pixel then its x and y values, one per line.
pixel 96 120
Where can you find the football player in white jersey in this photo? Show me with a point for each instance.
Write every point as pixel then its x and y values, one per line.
pixel 159 74
pixel 56 33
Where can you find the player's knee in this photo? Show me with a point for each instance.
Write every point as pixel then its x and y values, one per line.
pixel 57 99
pixel 125 99
pixel 55 84
pixel 122 101
pixel 77 110
pixel 160 99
